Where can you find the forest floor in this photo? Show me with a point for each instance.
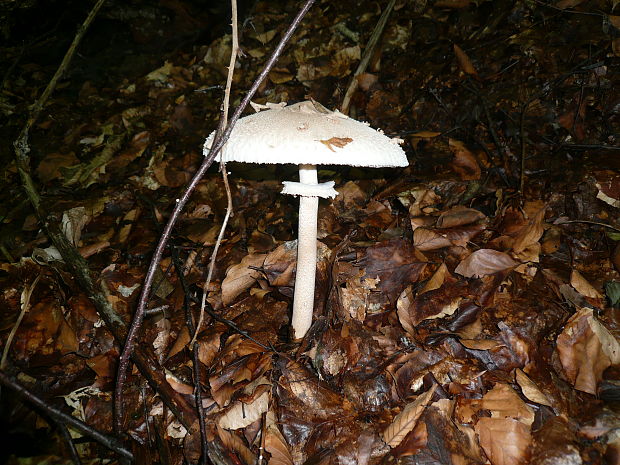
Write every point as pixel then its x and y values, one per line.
pixel 467 307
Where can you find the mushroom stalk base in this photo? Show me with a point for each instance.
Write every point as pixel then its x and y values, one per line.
pixel 303 303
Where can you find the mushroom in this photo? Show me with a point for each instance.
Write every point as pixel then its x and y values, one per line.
pixel 307 134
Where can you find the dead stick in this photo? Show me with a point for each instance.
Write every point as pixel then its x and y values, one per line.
pixel 368 51
pixel 159 250
pixel 64 419
pixel 229 205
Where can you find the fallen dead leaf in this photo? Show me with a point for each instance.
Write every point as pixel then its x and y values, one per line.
pixel 530 389
pixel 582 286
pixel 241 277
pixel 504 440
pixel 406 420
pixel 484 262
pixel 464 61
pixel 586 348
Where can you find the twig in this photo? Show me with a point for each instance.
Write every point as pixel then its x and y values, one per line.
pixel 22 140
pixel 65 419
pixel 522 130
pixel 76 264
pixel 218 142
pixel 590 222
pixel 25 301
pixel 229 205
pixel 189 321
pixel 368 51
pixel 64 431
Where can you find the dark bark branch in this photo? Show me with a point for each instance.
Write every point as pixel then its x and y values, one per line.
pixel 64 419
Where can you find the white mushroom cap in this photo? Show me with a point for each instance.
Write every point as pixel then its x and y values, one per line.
pixel 307 133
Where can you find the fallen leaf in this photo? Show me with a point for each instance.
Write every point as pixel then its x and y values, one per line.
pixel 234 443
pixel 406 420
pixel 504 440
pixel 459 216
pixel 484 262
pixel 338 142
pixel 437 280
pixel 530 389
pixel 464 61
pixel 276 445
pixel 582 286
pixel 242 414
pixel 586 348
pixel 241 277
pixel 464 162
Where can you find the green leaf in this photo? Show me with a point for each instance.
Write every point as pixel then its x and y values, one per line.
pixel 612 289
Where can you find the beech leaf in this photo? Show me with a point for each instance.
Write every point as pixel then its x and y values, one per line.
pixel 484 262
pixel 504 440
pixel 406 420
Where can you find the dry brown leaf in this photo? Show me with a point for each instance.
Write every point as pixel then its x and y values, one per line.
pixel 530 389
pixel 180 342
pixel 49 168
pixel 530 233
pixel 459 216
pixel 426 134
pixel 276 445
pixel 338 142
pixel 609 344
pixel 242 414
pixel 437 279
pixel 504 402
pixel 404 302
pixel 504 440
pixel 484 262
pixel 406 420
pixel 586 348
pixel 582 286
pixel 430 305
pixel 464 163
pixel 235 443
pixel 241 277
pixel 426 239
pixel 480 344
pixel 464 61
pixel 178 385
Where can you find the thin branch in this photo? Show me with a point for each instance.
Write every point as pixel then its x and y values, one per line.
pixel 25 301
pixel 64 431
pixel 522 130
pixel 603 225
pixel 229 205
pixel 62 418
pixel 189 321
pixel 22 140
pixel 368 51
pixel 180 204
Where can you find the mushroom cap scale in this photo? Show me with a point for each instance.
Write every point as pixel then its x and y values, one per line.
pixel 307 133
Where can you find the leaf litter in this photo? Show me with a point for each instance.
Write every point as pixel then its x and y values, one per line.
pixel 466 307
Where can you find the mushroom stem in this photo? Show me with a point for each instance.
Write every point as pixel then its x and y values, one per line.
pixel 303 300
